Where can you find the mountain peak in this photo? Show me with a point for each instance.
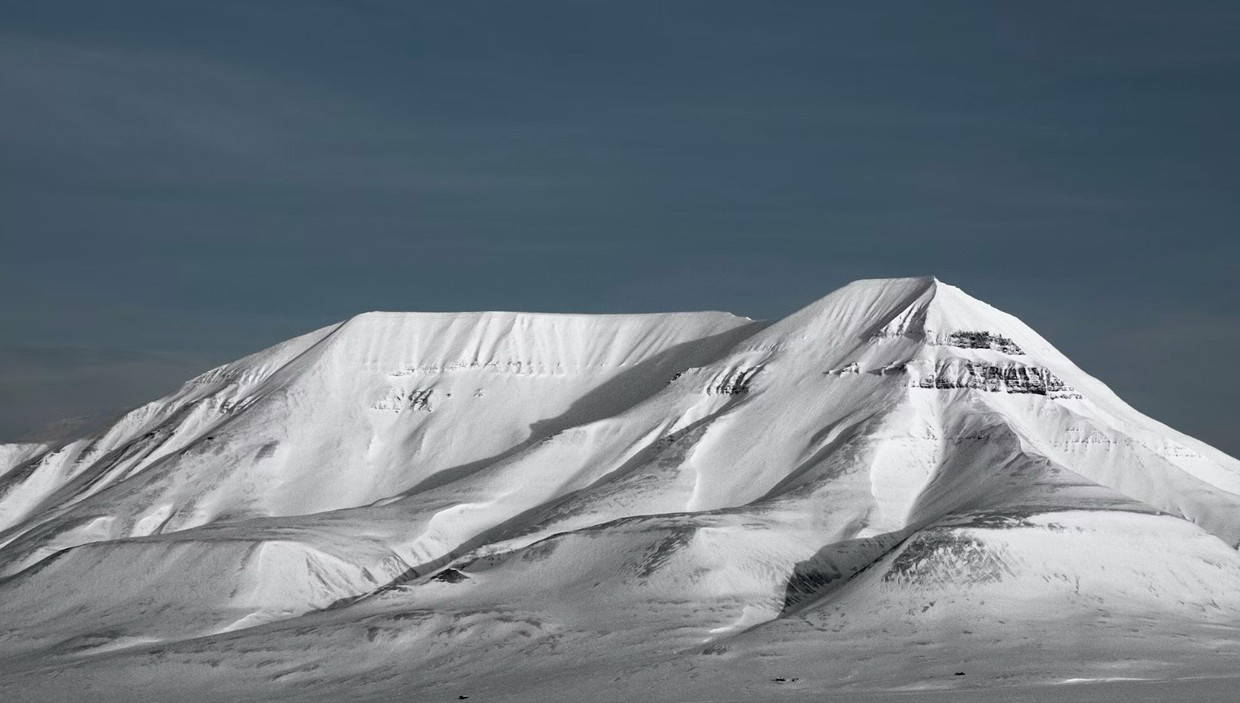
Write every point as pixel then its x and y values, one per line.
pixel 433 492
pixel 916 308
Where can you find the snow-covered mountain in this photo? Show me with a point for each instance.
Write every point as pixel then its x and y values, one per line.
pixel 892 485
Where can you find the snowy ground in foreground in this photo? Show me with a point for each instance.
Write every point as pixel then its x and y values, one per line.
pixel 895 670
pixel 895 484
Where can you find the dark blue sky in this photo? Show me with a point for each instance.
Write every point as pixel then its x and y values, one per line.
pixel 183 183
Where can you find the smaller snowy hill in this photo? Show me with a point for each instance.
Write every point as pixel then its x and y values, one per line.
pixel 680 505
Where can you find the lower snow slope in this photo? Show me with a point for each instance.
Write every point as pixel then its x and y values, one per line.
pixel 897 473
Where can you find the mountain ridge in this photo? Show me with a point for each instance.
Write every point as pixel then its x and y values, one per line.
pixel 700 480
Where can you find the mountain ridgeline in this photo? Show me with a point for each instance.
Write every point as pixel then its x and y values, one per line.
pixel 416 502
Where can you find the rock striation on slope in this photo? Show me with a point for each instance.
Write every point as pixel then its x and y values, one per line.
pixel 496 490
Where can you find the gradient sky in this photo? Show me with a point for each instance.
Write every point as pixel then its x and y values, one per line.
pixel 182 183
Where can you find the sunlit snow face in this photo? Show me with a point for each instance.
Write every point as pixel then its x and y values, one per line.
pixel 895 479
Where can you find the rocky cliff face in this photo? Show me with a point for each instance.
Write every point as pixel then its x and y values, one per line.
pixel 981 340
pixel 992 378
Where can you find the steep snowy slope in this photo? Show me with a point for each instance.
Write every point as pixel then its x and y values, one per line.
pixel 341 418
pixel 409 502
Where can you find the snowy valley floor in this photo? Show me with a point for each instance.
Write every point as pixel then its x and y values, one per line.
pixel 505 657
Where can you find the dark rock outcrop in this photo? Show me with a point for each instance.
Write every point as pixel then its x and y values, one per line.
pixel 1012 378
pixel 983 340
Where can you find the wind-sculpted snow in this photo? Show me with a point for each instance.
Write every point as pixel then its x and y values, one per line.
pixel 891 481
